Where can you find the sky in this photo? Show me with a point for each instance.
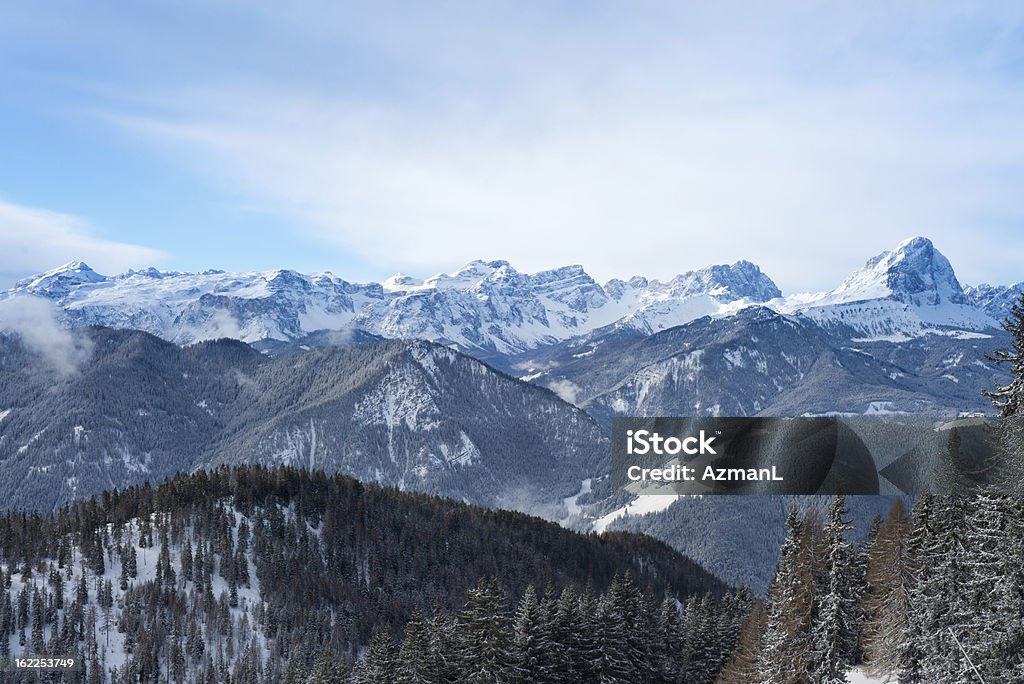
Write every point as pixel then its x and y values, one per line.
pixel 644 138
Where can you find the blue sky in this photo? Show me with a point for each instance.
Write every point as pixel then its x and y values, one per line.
pixel 633 138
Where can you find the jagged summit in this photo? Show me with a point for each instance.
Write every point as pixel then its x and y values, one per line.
pixel 915 272
pixel 60 280
pixel 995 300
pixel 74 265
pixel 741 280
pixel 71 268
pixel 901 293
pixel 486 306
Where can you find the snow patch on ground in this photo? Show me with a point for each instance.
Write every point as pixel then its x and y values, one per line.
pixel 858 677
pixel 643 504
pixel 572 502
pixel 882 408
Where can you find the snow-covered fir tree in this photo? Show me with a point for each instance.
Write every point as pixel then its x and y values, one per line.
pixel 1009 398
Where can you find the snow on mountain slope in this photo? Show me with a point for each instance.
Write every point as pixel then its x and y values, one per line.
pixel 490 309
pixel 485 306
pixel 906 292
pixel 409 414
pixel 995 300
pixel 188 307
pixel 491 306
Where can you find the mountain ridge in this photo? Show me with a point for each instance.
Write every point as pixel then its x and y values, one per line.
pixel 411 414
pixel 488 308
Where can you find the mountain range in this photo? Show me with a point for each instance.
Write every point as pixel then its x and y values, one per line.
pixel 490 308
pixel 486 385
pixel 411 414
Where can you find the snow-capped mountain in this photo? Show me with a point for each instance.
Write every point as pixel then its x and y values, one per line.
pixel 187 307
pixel 491 310
pixel 655 306
pixel 903 293
pixel 485 307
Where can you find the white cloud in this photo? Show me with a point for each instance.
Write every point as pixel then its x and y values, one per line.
pixel 803 137
pixel 34 240
pixel 566 390
pixel 34 320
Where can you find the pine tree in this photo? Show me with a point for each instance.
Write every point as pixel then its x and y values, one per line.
pixel 616 665
pixel 531 641
pixel 1009 599
pixel 483 637
pixel 565 627
pixel 186 560
pixel 664 641
pixel 133 562
pixel 743 668
pixel 1009 399
pixel 884 604
pixel 991 595
pixel 414 662
pixel 790 608
pixel 588 638
pixel 835 629
pixel 123 579
pixel 444 641
pixel 1006 467
pixel 37 624
pixel 327 670
pixel 936 609
pixel 379 665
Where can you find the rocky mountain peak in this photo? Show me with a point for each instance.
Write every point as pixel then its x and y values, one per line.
pixel 727 283
pixel 57 282
pixel 915 272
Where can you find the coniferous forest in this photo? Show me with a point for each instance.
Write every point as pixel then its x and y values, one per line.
pixel 278 575
pixel 282 575
pixel 935 594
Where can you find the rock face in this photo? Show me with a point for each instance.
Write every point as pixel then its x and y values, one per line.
pixel 914 273
pixel 907 292
pixel 413 415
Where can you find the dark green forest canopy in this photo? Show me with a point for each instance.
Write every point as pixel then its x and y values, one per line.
pixel 420 549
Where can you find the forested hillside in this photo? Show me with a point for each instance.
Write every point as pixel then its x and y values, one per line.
pixel 410 414
pixel 268 575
